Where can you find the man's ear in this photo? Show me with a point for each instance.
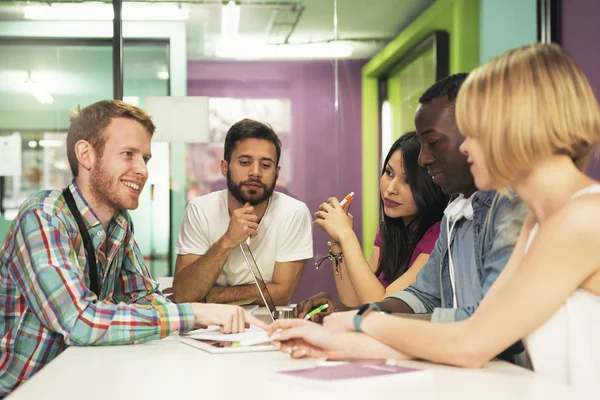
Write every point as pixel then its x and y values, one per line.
pixel 85 154
pixel 278 168
pixel 224 168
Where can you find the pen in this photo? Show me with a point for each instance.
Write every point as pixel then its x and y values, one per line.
pixel 248 241
pixel 317 310
pixel 346 199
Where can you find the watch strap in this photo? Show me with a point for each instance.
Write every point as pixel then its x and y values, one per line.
pixel 364 310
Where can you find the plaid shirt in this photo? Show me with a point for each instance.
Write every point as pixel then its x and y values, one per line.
pixel 45 300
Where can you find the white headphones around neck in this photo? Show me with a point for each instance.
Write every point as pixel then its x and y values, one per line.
pixel 460 207
pixel 457 209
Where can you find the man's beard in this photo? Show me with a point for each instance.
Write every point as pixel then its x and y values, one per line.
pixel 104 191
pixel 253 198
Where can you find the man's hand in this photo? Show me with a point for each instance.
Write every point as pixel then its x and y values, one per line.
pixel 231 319
pixel 243 223
pixel 306 306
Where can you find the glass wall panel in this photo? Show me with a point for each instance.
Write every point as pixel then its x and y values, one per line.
pixel 41 80
pixel 146 73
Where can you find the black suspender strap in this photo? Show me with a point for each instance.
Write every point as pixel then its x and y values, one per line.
pixel 90 254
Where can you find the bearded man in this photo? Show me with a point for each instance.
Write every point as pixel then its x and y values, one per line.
pixel 210 265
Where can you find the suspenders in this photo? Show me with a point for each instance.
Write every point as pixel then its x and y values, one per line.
pixel 87 242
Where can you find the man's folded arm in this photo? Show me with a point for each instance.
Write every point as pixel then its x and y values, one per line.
pixel 286 276
pixel 196 275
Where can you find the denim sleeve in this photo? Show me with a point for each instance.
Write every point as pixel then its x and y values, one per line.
pixel 500 238
pixel 423 296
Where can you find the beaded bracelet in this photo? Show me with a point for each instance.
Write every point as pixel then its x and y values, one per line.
pixel 335 257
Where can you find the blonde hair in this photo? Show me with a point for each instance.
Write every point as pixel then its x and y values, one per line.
pixel 526 105
pixel 90 123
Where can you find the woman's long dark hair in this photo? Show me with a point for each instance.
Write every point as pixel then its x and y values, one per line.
pixel 398 240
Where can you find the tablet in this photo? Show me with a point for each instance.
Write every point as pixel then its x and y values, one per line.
pixel 218 346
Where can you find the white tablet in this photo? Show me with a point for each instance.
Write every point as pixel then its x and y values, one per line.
pixel 212 340
pixel 216 346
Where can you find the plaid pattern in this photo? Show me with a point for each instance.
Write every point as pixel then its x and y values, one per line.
pixel 45 300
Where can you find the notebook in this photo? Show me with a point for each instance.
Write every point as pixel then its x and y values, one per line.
pixel 352 373
pixel 351 370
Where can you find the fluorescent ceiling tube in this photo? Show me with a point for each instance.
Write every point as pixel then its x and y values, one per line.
pixel 230 20
pixel 285 51
pixel 104 12
pixel 38 92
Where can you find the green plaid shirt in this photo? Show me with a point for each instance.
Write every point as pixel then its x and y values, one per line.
pixel 45 295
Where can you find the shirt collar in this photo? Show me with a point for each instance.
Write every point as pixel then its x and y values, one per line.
pixel 90 218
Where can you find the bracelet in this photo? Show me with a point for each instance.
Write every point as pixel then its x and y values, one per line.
pixel 335 257
pixel 331 243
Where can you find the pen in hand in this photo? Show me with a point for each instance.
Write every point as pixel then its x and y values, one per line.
pixel 317 310
pixel 345 200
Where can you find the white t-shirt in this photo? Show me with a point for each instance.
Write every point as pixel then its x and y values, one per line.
pixel 284 234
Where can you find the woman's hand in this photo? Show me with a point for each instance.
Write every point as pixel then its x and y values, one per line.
pixel 231 319
pixel 340 321
pixel 302 339
pixel 334 219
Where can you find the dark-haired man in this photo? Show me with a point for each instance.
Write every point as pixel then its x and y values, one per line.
pixel 478 231
pixel 210 265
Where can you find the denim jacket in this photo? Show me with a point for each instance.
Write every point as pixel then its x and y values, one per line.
pixel 495 236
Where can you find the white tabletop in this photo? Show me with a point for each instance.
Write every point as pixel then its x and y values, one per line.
pixel 168 369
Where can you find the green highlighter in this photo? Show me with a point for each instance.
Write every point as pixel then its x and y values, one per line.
pixel 317 310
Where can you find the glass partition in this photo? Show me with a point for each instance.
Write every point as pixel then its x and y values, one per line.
pixel 41 80
pixel 296 65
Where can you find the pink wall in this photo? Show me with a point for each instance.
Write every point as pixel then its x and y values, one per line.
pixel 310 87
pixel 580 31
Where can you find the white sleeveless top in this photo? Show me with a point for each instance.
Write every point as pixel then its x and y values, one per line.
pixel 566 348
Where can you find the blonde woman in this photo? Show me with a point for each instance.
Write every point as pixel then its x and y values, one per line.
pixel 531 121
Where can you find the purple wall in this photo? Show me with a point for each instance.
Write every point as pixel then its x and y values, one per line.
pixel 310 87
pixel 580 31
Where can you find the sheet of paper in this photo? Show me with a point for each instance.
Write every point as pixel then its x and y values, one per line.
pixel 251 336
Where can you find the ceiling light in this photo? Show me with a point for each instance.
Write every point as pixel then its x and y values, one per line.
pixel 104 12
pixel 164 75
pixel 230 20
pixel 286 51
pixel 32 144
pixel 37 91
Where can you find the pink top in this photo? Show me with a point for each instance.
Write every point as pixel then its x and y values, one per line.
pixel 425 246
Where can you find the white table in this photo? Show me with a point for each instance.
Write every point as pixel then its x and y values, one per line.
pixel 168 369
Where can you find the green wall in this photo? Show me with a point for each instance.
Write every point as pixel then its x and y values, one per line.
pixel 460 18
pixel 479 30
